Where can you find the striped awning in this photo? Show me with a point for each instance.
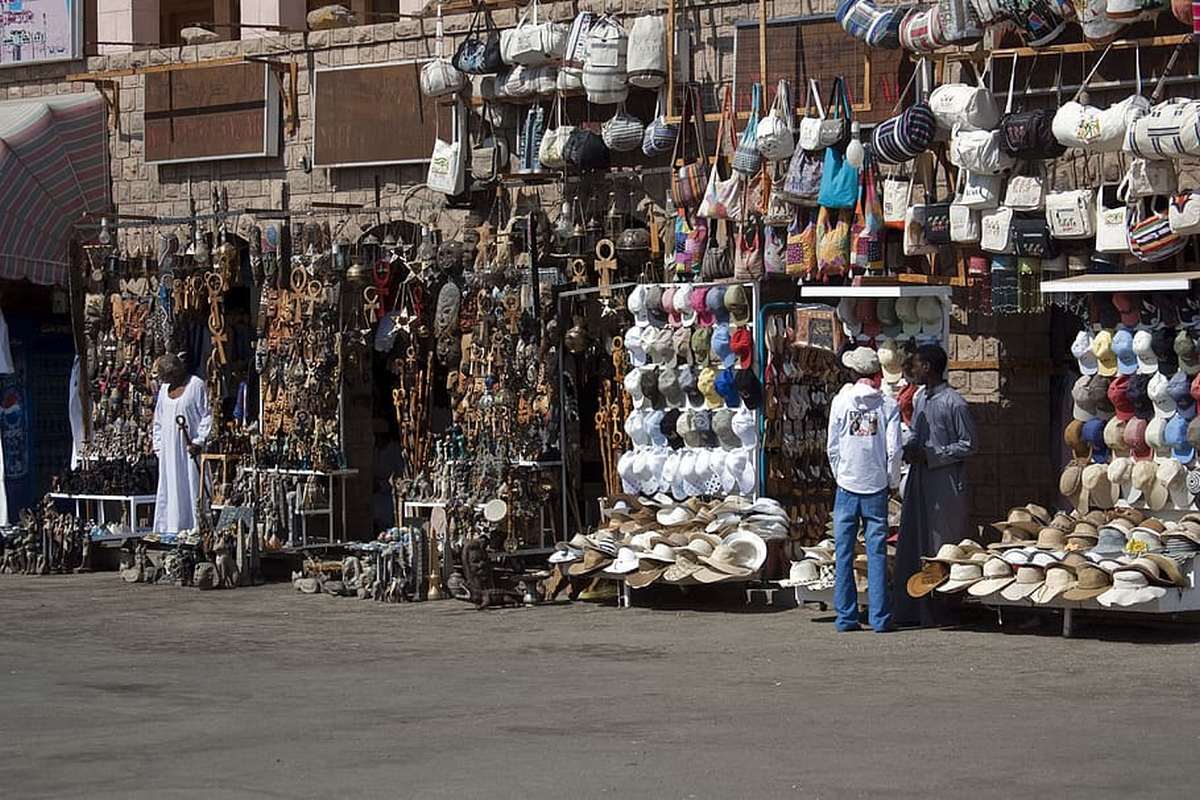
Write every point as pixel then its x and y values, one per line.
pixel 53 169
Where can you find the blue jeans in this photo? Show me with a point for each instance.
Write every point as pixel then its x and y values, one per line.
pixel 872 509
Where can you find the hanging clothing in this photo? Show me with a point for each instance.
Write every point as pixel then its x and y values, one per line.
pixel 75 413
pixel 935 510
pixel 178 475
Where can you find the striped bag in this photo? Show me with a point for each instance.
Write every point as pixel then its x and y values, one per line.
pixel 1150 235
pixel 1170 130
pixel 906 134
pixel 747 159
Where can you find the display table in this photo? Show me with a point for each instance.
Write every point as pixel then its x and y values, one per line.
pixel 129 504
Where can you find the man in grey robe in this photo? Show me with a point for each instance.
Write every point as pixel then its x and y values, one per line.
pixel 935 510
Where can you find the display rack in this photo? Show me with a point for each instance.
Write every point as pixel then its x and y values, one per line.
pixel 130 503
pixel 338 475
pixel 1137 282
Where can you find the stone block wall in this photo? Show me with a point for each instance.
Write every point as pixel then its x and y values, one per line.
pixel 996 359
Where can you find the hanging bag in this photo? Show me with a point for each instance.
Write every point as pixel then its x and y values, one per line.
pixel 835 128
pixel 1028 135
pixel 802 184
pixel 995 234
pixel 1170 129
pixel 964 219
pixel 746 159
pixel 1026 189
pixel 1096 130
pixel 1146 178
pixel 1151 238
pixel 489 155
pixel 964 106
pixel 550 153
pixel 659 136
pixel 723 197
pixel 1039 21
pixel 866 234
pixel 958 22
pixel 439 78
pixel 840 180
pixel 533 43
pixel 570 71
pixel 906 134
pixel 808 132
pixel 802 245
pixel 689 181
pixel 833 243
pixel 749 262
pixel 979 151
pixel 1112 229
pixel 775 140
pixel 605 72
pixel 1031 237
pixel 648 52
pixel 479 52
pixel 896 196
pixel 1071 213
pixel 529 141
pixel 623 132
pixel 446 173
pixel 1183 215
pixel 917 220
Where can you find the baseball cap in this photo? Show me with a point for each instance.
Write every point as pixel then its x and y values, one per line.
pixel 1102 349
pixel 1122 346
pixel 1081 348
pixel 1143 346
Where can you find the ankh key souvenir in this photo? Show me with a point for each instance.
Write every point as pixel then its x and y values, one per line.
pixel 606 263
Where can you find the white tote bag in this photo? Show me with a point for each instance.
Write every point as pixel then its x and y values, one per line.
pixel 446 173
pixel 1112 230
pixel 1146 178
pixel 774 138
pixel 964 224
pixel 978 191
pixel 895 200
pixel 996 230
pixel 533 43
pixel 961 105
pixel 605 73
pixel 1026 191
pixel 808 132
pixel 1071 214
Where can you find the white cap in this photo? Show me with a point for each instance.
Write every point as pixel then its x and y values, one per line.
pixel 1144 349
pixel 1081 348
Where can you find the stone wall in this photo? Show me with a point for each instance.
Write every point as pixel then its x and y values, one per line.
pixel 996 358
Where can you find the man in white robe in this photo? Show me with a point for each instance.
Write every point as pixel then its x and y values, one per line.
pixel 179 395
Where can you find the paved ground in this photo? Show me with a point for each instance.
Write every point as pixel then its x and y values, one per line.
pixel 116 691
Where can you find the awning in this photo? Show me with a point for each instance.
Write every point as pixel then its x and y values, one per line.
pixel 53 169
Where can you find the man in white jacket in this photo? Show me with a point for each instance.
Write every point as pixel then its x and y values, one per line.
pixel 865 452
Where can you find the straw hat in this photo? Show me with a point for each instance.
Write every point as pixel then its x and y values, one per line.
pixel 932 575
pixel 1091 581
pixel 1051 539
pixel 1021 519
pixel 948 554
pixel 1028 579
pixel 997 573
pixel 1059 578
pixel 647 573
pixel 1130 587
pixel 962 576
pixel 593 561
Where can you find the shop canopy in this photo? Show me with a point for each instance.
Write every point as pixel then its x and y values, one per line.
pixel 53 170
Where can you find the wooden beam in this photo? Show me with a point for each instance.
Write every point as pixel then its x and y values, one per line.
pixel 1054 49
pixel 104 75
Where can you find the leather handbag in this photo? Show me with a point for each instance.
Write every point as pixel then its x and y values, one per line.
pixel 479 51
pixel 906 134
pixel 835 128
pixel 833 243
pixel 1027 135
pixel 689 181
pixel 1151 238
pixel 963 106
pixel 747 159
pixel 723 197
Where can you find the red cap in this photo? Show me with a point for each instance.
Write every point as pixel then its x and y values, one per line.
pixel 742 345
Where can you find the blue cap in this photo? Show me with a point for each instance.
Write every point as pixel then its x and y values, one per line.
pixel 1122 347
pixel 715 300
pixel 1180 389
pixel 726 386
pixel 721 347
pixel 1175 437
pixel 1093 434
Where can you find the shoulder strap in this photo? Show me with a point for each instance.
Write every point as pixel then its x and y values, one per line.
pixel 1156 97
pixel 815 87
pixel 1011 78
